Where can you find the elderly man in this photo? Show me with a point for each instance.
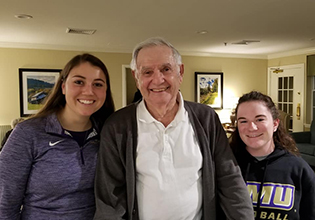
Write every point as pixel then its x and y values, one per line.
pixel 163 157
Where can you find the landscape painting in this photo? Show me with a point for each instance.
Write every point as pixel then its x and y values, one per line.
pixel 35 86
pixel 209 89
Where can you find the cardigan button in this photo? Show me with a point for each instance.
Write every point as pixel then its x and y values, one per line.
pixel 134 212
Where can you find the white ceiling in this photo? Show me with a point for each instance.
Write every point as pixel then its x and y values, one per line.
pixel 281 26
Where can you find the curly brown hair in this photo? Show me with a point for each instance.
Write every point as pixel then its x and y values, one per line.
pixel 281 137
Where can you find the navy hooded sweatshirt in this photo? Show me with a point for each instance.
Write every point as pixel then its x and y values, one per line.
pixel 287 183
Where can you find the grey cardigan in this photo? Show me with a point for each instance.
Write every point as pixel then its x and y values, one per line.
pixel 115 184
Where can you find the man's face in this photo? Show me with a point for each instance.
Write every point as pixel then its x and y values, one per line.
pixel 158 76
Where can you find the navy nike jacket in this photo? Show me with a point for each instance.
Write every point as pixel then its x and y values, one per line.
pixel 45 171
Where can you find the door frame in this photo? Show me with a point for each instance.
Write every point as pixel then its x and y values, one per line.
pixel 124 84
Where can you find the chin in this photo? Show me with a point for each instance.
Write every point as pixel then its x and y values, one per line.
pixel 86 114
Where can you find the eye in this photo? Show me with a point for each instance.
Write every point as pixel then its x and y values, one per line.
pixel 242 121
pixel 146 72
pixel 78 82
pixel 260 119
pixel 98 84
pixel 166 69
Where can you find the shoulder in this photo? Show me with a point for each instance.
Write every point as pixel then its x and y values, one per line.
pixel 305 172
pixel 31 124
pixel 198 107
pixel 123 115
pixel 297 163
pixel 203 113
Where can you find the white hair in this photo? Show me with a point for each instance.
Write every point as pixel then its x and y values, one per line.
pixel 154 41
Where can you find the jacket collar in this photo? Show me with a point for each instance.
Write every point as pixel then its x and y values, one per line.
pixel 53 126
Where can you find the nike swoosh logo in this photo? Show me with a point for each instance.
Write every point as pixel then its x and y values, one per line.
pixel 54 143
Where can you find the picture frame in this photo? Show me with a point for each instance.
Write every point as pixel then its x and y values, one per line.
pixel 35 85
pixel 209 89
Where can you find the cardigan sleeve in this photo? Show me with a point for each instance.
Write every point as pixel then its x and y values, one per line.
pixel 232 191
pixel 110 182
pixel 223 184
pixel 15 165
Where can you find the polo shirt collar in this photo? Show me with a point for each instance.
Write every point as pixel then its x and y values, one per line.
pixel 144 115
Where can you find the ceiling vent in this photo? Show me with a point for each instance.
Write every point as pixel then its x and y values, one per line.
pixel 246 42
pixel 80 31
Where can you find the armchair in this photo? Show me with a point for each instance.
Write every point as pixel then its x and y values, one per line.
pixel 305 141
pixel 285 118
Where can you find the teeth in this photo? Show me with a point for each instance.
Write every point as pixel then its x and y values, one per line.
pixel 86 102
pixel 252 136
pixel 159 90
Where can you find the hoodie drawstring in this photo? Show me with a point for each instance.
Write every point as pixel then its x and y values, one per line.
pixel 260 191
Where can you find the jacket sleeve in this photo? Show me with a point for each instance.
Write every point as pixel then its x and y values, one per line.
pixel 307 204
pixel 110 183
pixel 232 191
pixel 15 165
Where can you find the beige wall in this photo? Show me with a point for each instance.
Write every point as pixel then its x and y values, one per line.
pixel 283 61
pixel 240 75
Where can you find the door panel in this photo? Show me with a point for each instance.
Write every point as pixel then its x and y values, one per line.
pixel 287 91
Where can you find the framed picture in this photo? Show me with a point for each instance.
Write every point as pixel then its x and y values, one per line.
pixel 209 89
pixel 35 85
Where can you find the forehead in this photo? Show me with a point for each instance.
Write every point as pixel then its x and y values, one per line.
pixel 86 69
pixel 155 55
pixel 252 108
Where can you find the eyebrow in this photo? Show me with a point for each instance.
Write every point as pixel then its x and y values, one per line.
pixel 82 77
pixel 257 116
pixel 148 68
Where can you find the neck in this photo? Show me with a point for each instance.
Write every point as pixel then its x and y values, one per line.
pixel 74 123
pixel 261 151
pixel 165 114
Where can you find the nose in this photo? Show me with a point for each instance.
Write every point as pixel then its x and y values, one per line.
pixel 88 89
pixel 252 126
pixel 158 77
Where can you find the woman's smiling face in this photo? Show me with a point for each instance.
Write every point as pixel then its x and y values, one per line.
pixel 84 90
pixel 256 127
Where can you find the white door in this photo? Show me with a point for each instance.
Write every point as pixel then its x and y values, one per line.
pixel 286 88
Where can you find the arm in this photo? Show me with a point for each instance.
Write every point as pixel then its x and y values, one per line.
pixel 232 191
pixel 15 165
pixel 110 182
pixel 307 204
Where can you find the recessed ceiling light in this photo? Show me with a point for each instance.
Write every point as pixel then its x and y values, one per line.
pixel 202 32
pixel 246 42
pixel 23 16
pixel 80 31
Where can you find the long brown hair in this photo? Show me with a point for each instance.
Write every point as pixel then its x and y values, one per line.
pixel 280 136
pixel 56 101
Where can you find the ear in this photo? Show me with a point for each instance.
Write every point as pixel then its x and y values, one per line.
pixel 181 72
pixel 135 77
pixel 276 123
pixel 63 89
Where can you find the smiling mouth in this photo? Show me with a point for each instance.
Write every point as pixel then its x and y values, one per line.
pixel 254 135
pixel 159 90
pixel 86 102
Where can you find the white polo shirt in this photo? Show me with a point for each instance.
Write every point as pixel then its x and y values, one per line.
pixel 168 164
